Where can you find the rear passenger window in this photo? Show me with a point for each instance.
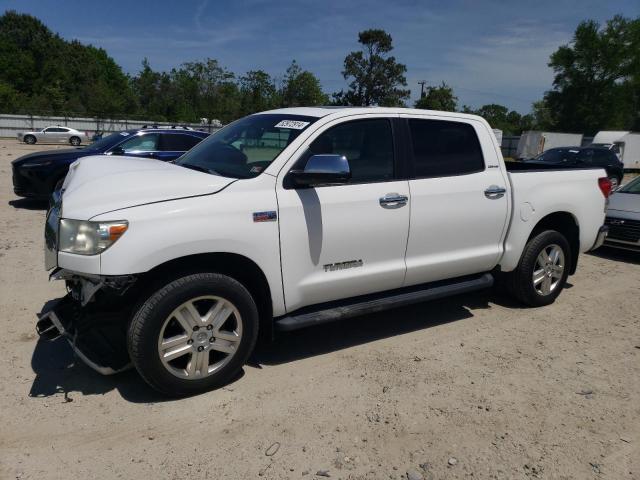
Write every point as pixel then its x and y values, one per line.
pixel 178 142
pixel 444 148
pixel 367 144
pixel 602 157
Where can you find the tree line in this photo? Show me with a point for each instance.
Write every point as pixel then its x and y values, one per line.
pixel 596 82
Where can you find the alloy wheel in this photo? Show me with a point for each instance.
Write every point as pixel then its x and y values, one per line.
pixel 548 269
pixel 200 337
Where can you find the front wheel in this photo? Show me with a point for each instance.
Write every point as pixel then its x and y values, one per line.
pixel 29 139
pixel 543 269
pixel 75 141
pixel 194 334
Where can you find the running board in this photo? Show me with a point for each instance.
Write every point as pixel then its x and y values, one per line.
pixel 379 302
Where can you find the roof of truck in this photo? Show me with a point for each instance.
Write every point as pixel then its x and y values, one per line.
pixel 339 111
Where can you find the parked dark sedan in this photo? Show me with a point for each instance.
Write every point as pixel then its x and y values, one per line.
pixel 36 175
pixel 584 157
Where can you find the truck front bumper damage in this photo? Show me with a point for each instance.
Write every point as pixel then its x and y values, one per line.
pixel 94 327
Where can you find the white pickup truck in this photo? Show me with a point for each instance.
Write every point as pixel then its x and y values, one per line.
pixel 296 217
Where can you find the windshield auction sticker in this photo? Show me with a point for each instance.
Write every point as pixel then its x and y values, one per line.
pixel 294 124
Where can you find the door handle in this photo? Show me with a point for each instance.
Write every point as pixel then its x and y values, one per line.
pixel 393 200
pixel 494 192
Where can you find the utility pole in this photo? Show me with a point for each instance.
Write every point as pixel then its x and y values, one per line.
pixel 422 84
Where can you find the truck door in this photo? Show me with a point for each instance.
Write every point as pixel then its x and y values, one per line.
pixel 459 202
pixel 340 241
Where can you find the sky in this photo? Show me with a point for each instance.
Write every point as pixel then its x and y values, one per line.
pixel 489 51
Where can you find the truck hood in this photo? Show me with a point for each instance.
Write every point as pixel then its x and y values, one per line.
pixel 624 202
pixel 103 183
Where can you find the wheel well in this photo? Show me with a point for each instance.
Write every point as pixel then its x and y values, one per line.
pixel 566 224
pixel 235 266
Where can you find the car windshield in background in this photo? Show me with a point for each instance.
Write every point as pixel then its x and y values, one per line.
pixel 558 155
pixel 244 148
pixel 632 187
pixel 108 141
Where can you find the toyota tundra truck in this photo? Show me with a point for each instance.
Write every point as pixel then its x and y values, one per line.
pixel 296 217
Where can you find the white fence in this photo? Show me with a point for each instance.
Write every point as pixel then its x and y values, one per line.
pixel 10 125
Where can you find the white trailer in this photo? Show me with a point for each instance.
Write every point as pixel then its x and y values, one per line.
pixel 626 145
pixel 533 143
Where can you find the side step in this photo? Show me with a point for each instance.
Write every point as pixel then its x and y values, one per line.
pixel 379 302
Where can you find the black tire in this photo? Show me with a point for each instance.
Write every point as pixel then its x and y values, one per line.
pixel 30 139
pixel 145 329
pixel 75 141
pixel 520 282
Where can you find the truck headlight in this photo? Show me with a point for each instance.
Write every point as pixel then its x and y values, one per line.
pixel 89 238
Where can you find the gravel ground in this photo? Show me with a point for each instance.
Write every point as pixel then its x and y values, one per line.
pixel 469 387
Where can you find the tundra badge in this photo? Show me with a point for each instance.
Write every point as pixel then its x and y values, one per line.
pixel 331 267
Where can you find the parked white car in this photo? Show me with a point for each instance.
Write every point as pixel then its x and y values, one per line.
pixel 297 217
pixel 623 217
pixel 54 134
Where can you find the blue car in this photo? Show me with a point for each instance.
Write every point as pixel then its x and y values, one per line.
pixel 37 174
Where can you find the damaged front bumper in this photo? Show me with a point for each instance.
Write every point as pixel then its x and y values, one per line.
pixel 93 318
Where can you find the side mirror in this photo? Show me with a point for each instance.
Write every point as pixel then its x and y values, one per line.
pixel 329 169
pixel 117 151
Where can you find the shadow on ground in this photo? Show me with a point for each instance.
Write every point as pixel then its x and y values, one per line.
pixel 58 372
pixel 617 255
pixel 29 204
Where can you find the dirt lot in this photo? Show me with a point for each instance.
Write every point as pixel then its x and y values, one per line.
pixel 470 387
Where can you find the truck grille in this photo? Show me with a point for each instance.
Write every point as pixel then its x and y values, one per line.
pixel 623 229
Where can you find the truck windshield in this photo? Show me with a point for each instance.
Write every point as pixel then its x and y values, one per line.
pixel 244 148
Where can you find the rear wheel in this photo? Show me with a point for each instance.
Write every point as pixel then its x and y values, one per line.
pixel 194 334
pixel 30 139
pixel 543 269
pixel 75 141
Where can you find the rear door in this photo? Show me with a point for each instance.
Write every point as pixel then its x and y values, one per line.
pixel 459 200
pixel 340 241
pixel 172 145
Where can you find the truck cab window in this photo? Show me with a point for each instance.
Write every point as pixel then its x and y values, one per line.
pixel 367 144
pixel 444 148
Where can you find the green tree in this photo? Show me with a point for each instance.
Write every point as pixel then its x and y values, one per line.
pixel 205 89
pixel 257 92
pixel 597 78
pixel 46 74
pixel 374 77
pixel 301 88
pixel 499 116
pixel 438 98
